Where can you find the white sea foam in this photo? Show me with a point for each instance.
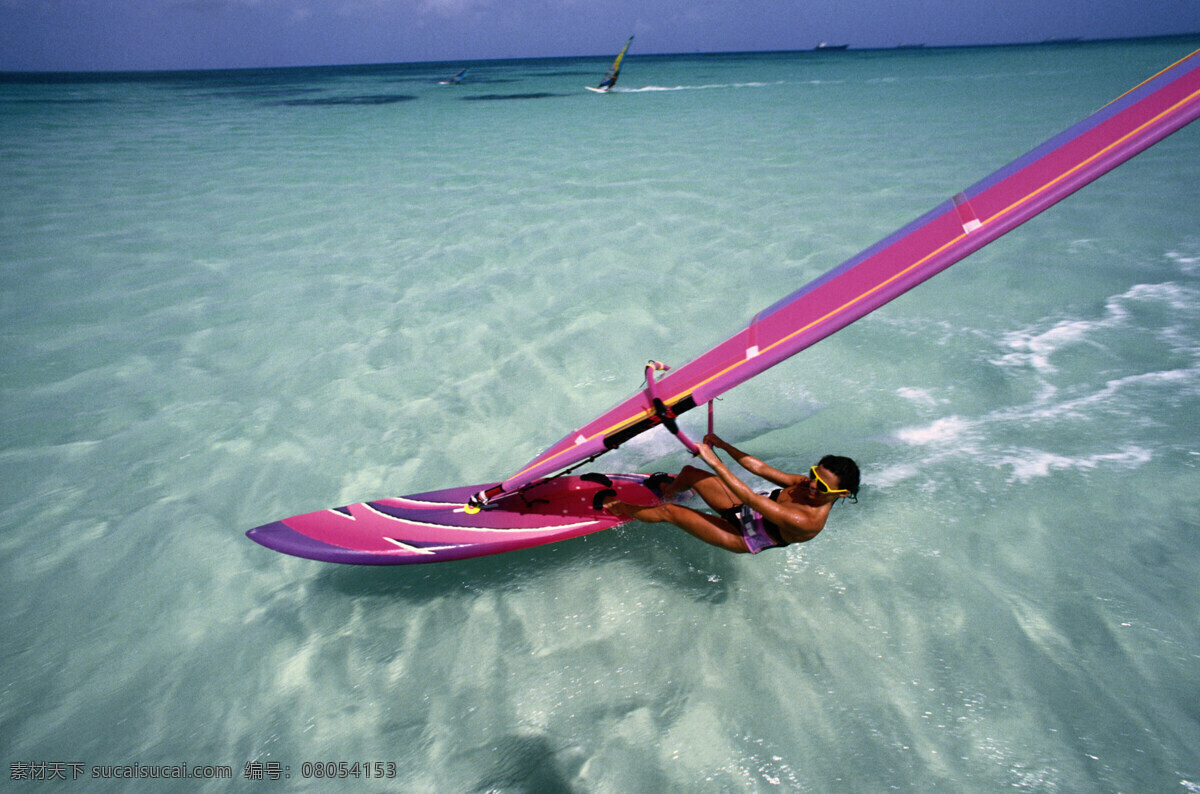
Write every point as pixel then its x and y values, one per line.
pixel 708 87
pixel 1036 348
pixel 922 397
pixel 951 430
pixel 1027 464
pixel 1164 312
pixel 1189 263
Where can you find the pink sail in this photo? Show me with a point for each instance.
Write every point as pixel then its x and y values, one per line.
pixel 532 508
pixel 891 267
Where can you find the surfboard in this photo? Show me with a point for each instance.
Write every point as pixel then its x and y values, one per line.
pixel 597 90
pixel 437 527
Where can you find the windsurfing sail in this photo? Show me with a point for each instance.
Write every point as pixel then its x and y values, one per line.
pixel 458 78
pixel 611 78
pixel 958 227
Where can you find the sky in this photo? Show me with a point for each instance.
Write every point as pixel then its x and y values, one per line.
pixel 118 35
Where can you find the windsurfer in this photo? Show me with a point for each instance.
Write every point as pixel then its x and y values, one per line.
pixel 748 521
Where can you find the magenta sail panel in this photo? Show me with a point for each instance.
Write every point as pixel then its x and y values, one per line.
pixel 896 264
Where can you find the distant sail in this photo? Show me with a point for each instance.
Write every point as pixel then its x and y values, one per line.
pixel 611 78
pixel 891 267
pixel 456 79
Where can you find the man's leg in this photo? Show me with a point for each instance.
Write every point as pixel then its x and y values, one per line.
pixel 709 486
pixel 708 528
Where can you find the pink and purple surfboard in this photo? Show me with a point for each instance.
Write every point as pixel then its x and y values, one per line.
pixel 436 527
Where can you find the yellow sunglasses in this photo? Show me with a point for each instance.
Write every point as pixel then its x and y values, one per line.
pixel 823 486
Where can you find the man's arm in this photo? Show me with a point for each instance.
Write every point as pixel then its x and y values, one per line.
pixel 801 522
pixel 752 464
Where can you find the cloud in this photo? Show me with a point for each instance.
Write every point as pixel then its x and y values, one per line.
pixel 452 8
pixel 447 9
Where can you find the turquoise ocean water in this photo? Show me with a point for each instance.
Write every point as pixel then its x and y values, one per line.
pixel 226 298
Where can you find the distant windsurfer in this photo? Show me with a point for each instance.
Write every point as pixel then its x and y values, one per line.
pixel 748 521
pixel 614 71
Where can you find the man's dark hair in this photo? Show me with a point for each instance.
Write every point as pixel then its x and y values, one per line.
pixel 846 471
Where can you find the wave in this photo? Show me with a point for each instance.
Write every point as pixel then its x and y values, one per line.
pixel 1084 417
pixel 1035 348
pixel 708 87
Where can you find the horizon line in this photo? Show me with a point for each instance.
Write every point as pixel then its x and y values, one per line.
pixel 836 50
